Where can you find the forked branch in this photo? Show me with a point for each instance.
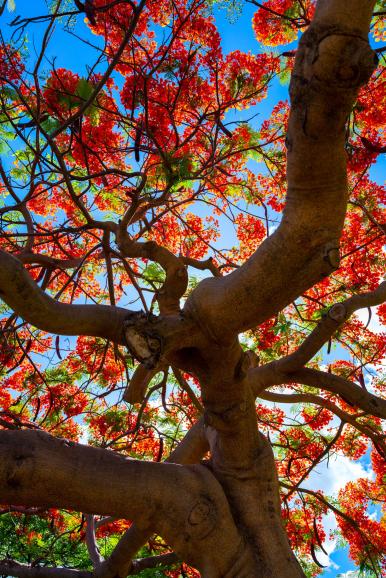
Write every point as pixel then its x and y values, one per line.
pixel 290 369
pixel 185 504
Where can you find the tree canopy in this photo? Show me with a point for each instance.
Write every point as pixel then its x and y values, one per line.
pixel 193 303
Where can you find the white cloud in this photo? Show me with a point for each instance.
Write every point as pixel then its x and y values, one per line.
pixel 329 524
pixel 330 479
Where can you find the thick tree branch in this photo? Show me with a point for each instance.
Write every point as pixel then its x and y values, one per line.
pixel 185 503
pixel 120 561
pixel 333 60
pixel 24 296
pixel 136 388
pixel 291 368
pixel 147 337
pixel 202 265
pixel 46 260
pixel 263 377
pixel 330 323
pixel 190 450
pixel 347 390
pixel 176 281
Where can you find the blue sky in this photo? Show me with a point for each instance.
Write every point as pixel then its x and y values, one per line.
pixel 71 52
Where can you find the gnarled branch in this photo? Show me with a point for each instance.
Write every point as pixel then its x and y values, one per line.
pixel 291 368
pixel 27 299
pixel 185 503
pixel 333 60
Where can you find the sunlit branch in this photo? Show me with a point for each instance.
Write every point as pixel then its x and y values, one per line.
pixel 337 315
pixel 347 390
pixel 176 280
pixel 305 247
pixel 136 388
pixel 291 368
pixel 92 546
pixel 202 265
pixel 24 296
pixel 327 404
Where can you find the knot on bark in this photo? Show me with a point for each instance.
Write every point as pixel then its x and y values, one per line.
pixel 331 254
pixel 143 342
pixel 343 60
pixel 335 57
pixel 202 518
pixel 338 312
pixel 20 470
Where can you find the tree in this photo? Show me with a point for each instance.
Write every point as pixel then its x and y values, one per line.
pixel 115 186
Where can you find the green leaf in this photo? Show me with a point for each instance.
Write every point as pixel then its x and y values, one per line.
pixel 50 125
pixel 84 89
pixel 284 77
pixel 154 273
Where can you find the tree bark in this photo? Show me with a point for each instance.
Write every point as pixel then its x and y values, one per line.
pixel 333 61
pixel 184 504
